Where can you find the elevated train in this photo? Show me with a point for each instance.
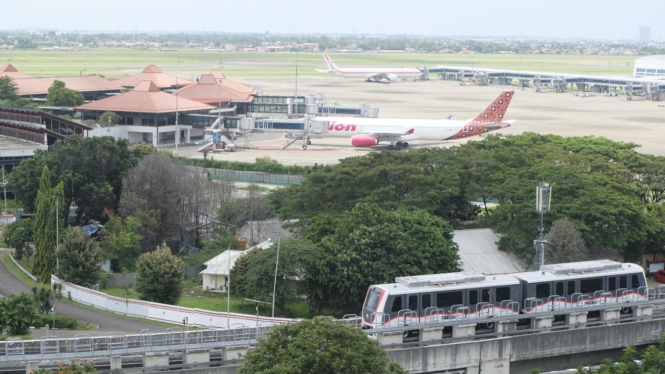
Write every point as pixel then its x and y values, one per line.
pixel 434 297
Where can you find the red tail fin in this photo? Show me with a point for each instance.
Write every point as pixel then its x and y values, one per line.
pixel 497 109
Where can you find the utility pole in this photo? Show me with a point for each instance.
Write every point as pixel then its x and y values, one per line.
pixel 177 127
pixel 228 289
pixel 274 286
pixel 57 235
pixel 543 202
pixel 4 188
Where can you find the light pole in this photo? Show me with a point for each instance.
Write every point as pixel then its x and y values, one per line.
pixel 274 285
pixel 4 188
pixel 57 236
pixel 228 289
pixel 543 202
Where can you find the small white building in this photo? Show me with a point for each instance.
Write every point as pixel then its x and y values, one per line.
pixel 216 274
pixel 650 66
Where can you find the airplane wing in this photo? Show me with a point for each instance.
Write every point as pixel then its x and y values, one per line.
pixel 323 71
pixel 386 134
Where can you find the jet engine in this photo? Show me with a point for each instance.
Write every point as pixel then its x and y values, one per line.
pixel 363 141
pixel 391 77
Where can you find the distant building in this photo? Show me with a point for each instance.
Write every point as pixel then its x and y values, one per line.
pixel 650 66
pixel 92 87
pixel 216 274
pixel 215 89
pixel 10 71
pixel 645 34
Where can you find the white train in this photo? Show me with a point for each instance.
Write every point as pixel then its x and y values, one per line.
pixel 435 297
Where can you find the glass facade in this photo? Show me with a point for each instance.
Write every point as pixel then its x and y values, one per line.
pixel 642 72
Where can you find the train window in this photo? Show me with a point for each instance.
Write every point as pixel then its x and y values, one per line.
pixel 502 293
pixel 413 302
pixel 635 281
pixel 473 297
pixel 571 287
pixel 612 284
pixel 426 301
pixel 397 304
pixel 373 298
pixel 558 289
pixel 623 282
pixel 448 299
pixel 592 285
pixel 485 295
pixel 543 291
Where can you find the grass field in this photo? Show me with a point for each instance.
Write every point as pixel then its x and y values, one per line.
pixel 194 297
pixel 190 63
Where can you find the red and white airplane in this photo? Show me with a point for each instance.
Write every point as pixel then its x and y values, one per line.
pixel 371 74
pixel 368 132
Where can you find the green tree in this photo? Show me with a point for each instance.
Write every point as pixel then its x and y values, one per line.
pixel 24 179
pixel 239 273
pixel 109 119
pixel 121 242
pixel 17 313
pixel 297 259
pixel 318 346
pixel 369 245
pixel 45 226
pixel 59 95
pixel 159 276
pixel 80 258
pixel 46 299
pixel 566 243
pixel 9 95
pixel 17 235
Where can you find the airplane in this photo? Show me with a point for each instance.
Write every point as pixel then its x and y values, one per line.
pixel 370 74
pixel 368 132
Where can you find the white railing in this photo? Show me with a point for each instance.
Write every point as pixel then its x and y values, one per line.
pixel 161 312
pixel 22 269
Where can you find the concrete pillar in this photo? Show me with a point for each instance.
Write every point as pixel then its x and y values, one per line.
pixel 541 322
pixel 188 136
pixel 578 318
pixel 461 331
pixel 610 315
pixel 153 359
pixel 116 363
pixel 505 326
pixel 31 367
pixel 431 334
pixel 235 353
pixel 389 338
pixel 196 356
pixel 643 311
pixel 155 137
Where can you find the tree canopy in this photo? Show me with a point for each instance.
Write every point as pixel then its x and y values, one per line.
pixel 45 230
pixel 318 346
pixel 369 245
pixel 607 190
pixel 59 95
pixel 80 258
pixel 159 276
pixel 9 95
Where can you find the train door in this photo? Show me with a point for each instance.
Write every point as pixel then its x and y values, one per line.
pixel 472 300
pixel 413 304
pixel 425 302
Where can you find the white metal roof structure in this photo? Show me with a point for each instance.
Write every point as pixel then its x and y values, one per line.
pixel 220 263
pixel 650 66
pixel 574 270
pixel 446 282
pixel 479 252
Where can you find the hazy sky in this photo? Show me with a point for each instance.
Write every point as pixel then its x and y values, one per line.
pixel 599 19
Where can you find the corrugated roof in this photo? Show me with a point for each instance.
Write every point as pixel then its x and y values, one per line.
pixel 155 75
pixel 146 97
pixel 210 90
pixel 89 83
pixel 10 71
pixel 239 87
pixel 220 264
pixel 479 252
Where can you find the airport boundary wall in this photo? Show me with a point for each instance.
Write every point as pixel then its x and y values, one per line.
pixel 162 312
pixel 249 176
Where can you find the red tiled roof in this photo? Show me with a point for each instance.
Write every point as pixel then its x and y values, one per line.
pixel 10 71
pixel 146 97
pixel 210 90
pixel 89 83
pixel 155 75
pixel 239 87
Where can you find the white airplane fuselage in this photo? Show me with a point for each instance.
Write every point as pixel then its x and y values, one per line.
pixel 412 129
pixel 369 73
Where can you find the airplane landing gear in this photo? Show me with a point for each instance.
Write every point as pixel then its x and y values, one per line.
pixel 309 141
pixel 304 147
pixel 397 145
pixel 391 147
pixel 405 144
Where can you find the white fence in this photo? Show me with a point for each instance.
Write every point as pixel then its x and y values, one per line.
pixel 22 269
pixel 162 312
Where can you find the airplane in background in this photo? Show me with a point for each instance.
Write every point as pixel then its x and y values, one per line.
pixel 368 132
pixel 371 74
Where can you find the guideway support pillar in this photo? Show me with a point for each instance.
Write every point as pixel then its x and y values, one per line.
pixel 153 359
pixel 610 315
pixel 644 311
pixel 506 326
pixel 32 366
pixel 431 334
pixel 541 322
pixel 578 318
pixel 116 363
pixel 388 338
pixel 461 331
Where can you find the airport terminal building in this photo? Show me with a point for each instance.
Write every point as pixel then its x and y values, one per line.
pixel 650 66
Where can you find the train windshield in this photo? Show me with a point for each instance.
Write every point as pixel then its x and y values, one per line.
pixel 373 298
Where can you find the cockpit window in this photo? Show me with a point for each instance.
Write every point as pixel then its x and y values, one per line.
pixel 373 298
